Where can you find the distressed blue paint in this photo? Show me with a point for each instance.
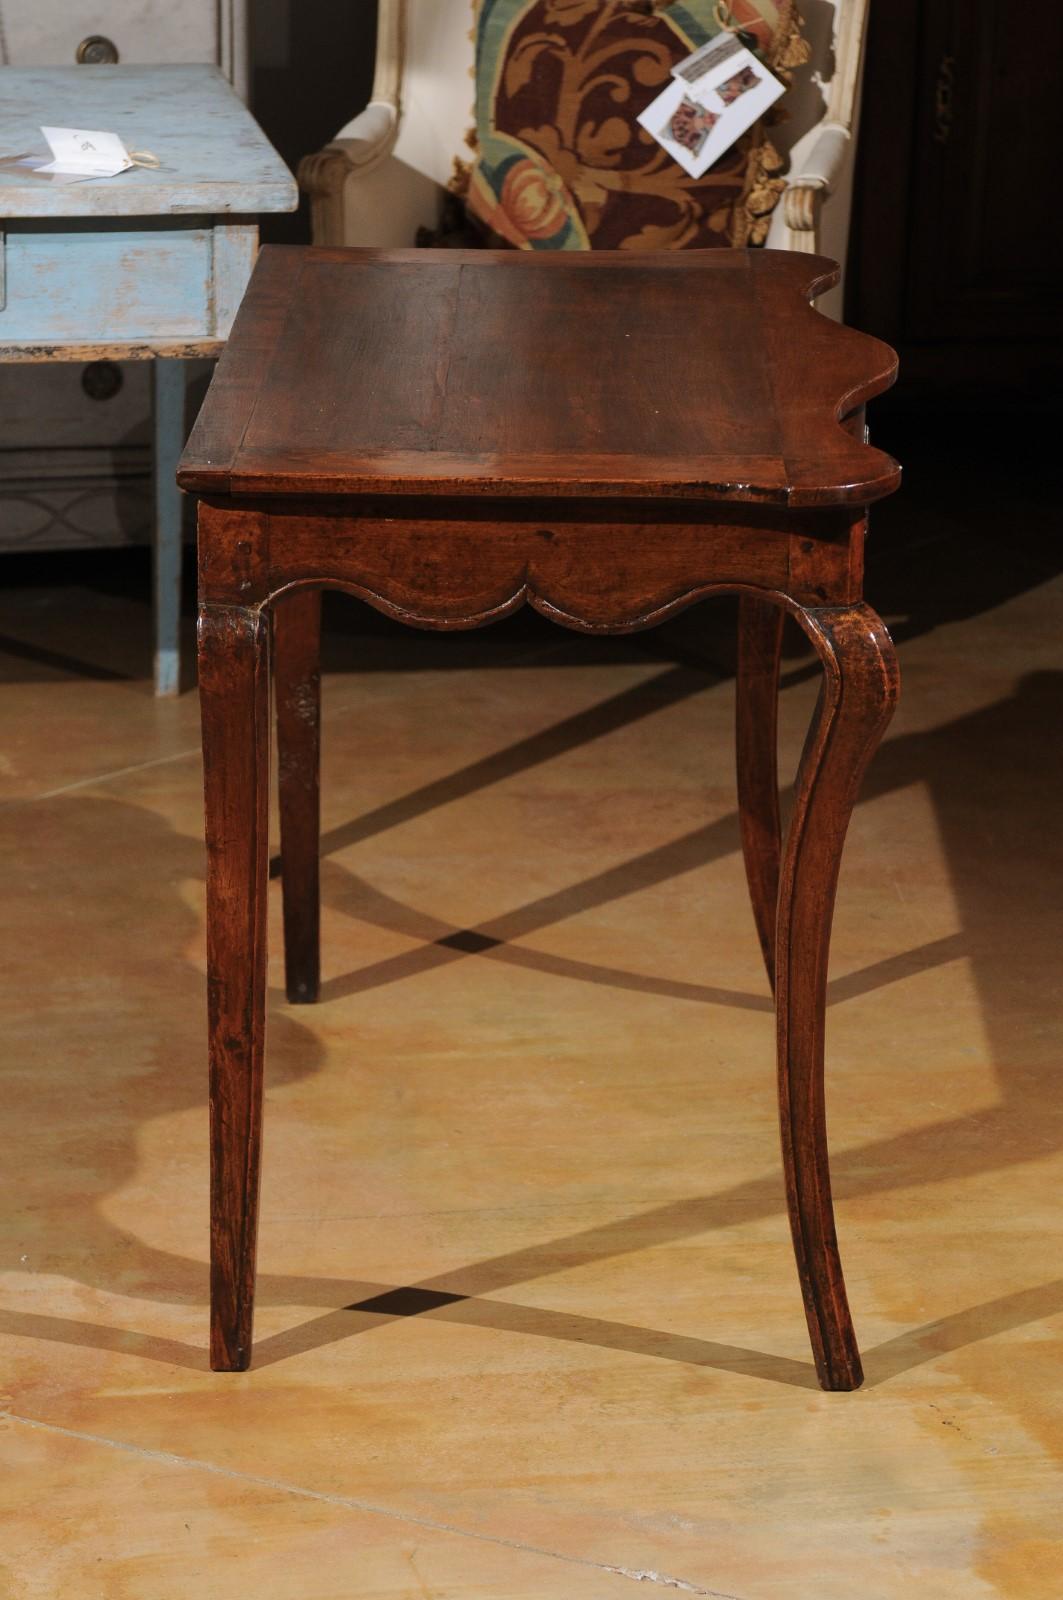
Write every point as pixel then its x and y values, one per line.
pixel 145 262
pixel 168 391
pixel 215 158
pixel 93 282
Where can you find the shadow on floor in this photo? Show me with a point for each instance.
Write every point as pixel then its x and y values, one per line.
pixel 61 851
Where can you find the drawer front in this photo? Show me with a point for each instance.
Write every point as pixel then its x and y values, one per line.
pixel 48 33
pixel 60 33
pixel 69 283
pixel 55 408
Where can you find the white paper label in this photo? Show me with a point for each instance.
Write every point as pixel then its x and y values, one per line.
pixel 716 93
pixel 85 153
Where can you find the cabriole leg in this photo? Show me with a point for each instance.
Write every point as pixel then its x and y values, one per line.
pixel 297 675
pixel 760 624
pixel 234 690
pixel 856 702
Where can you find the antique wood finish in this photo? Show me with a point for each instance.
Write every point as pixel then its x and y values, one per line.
pixel 859 693
pixel 459 564
pixel 756 718
pixel 297 673
pixel 451 436
pixel 234 694
pixel 508 389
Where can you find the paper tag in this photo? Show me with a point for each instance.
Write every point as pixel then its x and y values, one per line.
pixel 716 93
pixel 85 153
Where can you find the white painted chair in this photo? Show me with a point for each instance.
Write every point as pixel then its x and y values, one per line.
pixel 386 172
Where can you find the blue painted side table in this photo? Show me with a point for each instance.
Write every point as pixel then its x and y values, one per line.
pixel 148 265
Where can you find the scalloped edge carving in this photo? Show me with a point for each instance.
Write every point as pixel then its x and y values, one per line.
pixel 526 595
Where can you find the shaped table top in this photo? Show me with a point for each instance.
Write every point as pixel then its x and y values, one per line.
pixel 701 375
pixel 214 157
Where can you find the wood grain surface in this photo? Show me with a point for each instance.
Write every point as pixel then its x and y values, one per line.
pixel 512 373
pixel 451 435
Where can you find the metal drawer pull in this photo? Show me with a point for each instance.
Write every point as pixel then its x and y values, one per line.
pixel 97 51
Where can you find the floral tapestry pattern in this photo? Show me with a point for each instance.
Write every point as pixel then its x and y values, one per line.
pixel 563 165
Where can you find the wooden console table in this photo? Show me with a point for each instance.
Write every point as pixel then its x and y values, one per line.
pixel 608 437
pixel 151 264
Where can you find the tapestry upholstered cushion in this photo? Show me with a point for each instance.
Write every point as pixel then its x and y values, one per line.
pixel 563 165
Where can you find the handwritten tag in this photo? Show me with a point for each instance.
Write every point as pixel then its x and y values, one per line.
pixel 85 153
pixel 715 95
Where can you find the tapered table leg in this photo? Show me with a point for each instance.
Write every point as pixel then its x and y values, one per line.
pixel 858 696
pixel 297 675
pixel 760 625
pixel 168 406
pixel 234 688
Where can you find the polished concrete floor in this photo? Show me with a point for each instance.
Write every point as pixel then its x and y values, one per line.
pixel 528 1319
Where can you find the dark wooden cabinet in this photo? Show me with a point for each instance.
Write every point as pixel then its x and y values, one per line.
pixel 958 231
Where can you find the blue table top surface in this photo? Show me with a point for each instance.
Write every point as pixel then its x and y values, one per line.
pixel 214 157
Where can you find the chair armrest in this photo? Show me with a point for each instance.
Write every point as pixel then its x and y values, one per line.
pixel 359 145
pixel 821 169
pixel 370 134
pixel 359 148
pixel 817 177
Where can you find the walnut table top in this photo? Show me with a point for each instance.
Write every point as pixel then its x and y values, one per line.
pixel 702 375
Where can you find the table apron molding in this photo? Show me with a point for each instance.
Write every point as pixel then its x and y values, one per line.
pixel 466 574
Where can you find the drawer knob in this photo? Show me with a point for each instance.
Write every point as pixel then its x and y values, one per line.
pixel 101 380
pixel 97 51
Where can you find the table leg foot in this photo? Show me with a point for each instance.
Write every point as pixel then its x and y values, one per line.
pixel 234 695
pixel 857 700
pixel 760 624
pixel 297 676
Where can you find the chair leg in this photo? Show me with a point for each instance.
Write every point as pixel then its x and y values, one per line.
pixel 297 676
pixel 857 700
pixel 760 626
pixel 234 694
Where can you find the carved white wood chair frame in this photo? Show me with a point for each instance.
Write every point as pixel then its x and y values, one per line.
pixel 386 171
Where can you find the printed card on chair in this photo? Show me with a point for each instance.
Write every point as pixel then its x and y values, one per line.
pixel 715 95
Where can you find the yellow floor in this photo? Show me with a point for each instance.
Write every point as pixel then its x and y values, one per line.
pixel 549 1165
